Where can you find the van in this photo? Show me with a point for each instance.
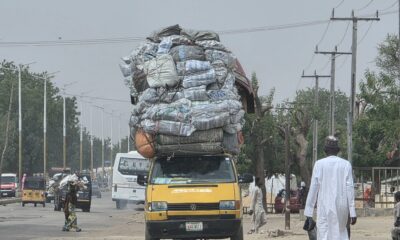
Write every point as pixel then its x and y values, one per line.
pixel 193 197
pixel 9 184
pixel 127 167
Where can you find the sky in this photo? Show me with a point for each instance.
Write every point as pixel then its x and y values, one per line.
pixel 263 43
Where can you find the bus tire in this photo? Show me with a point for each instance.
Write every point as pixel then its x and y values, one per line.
pixel 239 234
pixel 147 236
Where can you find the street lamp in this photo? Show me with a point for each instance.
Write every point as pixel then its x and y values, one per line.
pixel 65 125
pixel 47 77
pixel 19 119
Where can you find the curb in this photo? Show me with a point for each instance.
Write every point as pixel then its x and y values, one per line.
pixel 9 201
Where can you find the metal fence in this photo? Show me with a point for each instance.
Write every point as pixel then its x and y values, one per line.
pixel 375 187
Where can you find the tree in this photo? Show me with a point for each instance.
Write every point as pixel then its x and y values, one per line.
pixel 377 130
pixel 32 119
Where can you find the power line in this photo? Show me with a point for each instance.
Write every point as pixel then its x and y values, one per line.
pixel 344 35
pixel 339 4
pixel 324 34
pixel 365 34
pixel 98 98
pixel 367 5
pixel 119 40
pixel 392 5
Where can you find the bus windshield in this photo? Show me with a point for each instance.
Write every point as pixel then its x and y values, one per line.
pixel 193 169
pixel 133 166
pixel 8 179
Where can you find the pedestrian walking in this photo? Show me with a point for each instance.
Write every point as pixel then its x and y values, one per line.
pixel 332 191
pixel 396 229
pixel 259 217
pixel 71 221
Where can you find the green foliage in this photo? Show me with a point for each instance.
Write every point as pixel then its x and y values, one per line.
pixel 378 127
pixel 32 124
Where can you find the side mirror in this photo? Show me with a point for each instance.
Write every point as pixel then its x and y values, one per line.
pixel 246 178
pixel 142 180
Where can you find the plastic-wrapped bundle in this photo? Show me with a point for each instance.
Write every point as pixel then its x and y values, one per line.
pixel 149 96
pixel 196 93
pixel 233 128
pixel 125 69
pixel 192 66
pixel 227 58
pixel 195 80
pixel 165 32
pixel 169 96
pixel 229 82
pixel 212 135
pixel 195 148
pixel 220 95
pixel 212 44
pixel 205 121
pixel 161 71
pixel 238 117
pixel 165 45
pixel 167 127
pixel 231 143
pixel 220 71
pixel 184 52
pixel 200 35
pixel 230 106
pixel 144 53
pixel 178 111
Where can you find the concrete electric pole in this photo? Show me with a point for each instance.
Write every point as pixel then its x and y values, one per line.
pixel 332 88
pixel 315 127
pixel 351 115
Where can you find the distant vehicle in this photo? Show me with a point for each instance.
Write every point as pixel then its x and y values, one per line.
pixel 9 184
pixel 294 200
pixel 34 191
pixel 127 167
pixel 96 189
pixel 84 196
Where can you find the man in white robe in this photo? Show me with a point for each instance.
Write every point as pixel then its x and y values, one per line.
pixel 332 192
pixel 259 217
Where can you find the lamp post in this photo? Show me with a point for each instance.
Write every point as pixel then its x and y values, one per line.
pixel 19 69
pixel 65 125
pixel 45 119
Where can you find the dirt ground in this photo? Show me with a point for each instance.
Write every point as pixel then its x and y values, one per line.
pixel 376 228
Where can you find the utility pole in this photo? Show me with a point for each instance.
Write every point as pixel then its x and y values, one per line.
pixel 81 138
pixel 111 137
pixel 102 140
pixel 315 127
pixel 332 89
pixel 19 128
pixel 91 140
pixel 287 177
pixel 119 132
pixel 44 127
pixel 351 115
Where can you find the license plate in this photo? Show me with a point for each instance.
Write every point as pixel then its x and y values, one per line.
pixel 5 194
pixel 194 226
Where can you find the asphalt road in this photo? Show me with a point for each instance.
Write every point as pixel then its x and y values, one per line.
pixel 104 221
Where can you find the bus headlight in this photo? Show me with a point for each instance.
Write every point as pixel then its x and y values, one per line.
pixel 227 205
pixel 158 206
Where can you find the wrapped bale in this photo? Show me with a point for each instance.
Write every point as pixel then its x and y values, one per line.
pixel 196 148
pixel 161 72
pixel 187 101
pixel 210 136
